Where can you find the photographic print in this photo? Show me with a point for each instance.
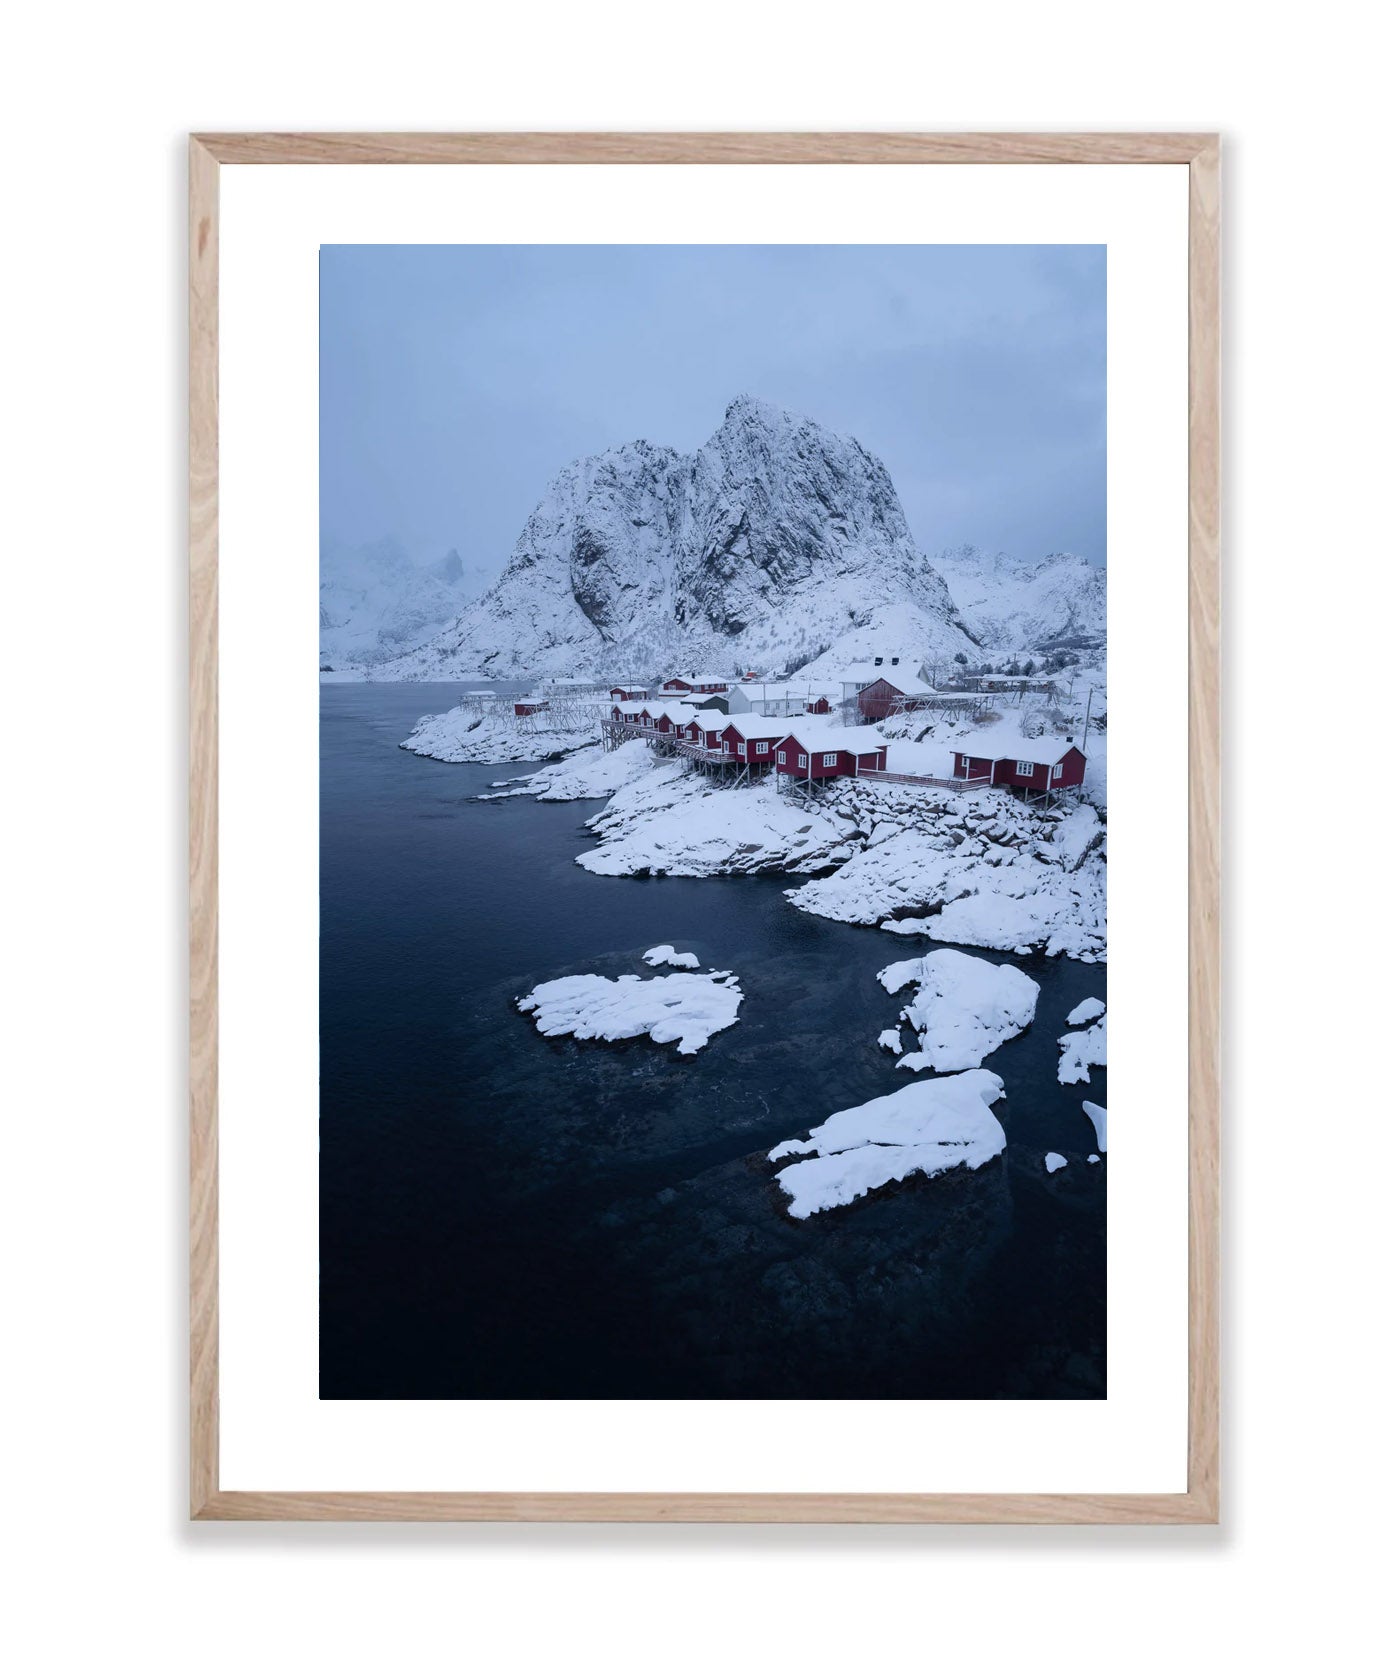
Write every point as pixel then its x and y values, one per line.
pixel 714 822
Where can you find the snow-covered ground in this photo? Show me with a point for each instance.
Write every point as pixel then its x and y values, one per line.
pixel 1079 1051
pixel 974 867
pixel 982 868
pixel 469 734
pixel 963 1007
pixel 672 821
pixel 588 773
pixel 686 1010
pixel 928 1127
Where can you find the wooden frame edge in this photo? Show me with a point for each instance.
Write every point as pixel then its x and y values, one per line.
pixel 1043 1510
pixel 1203 806
pixel 204 824
pixel 1199 1505
pixel 702 147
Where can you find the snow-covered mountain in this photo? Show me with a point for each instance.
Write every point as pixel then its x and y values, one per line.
pixel 773 543
pixel 377 601
pixel 1025 605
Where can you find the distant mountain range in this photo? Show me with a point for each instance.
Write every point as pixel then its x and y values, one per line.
pixel 377 601
pixel 1027 605
pixel 777 544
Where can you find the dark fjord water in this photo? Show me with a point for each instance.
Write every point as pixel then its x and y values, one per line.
pixel 506 1217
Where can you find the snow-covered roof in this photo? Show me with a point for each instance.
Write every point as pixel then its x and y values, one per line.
pixel 696 681
pixel 750 723
pixel 631 708
pixel 902 678
pixel 868 672
pixel 531 700
pixel 816 736
pixel 1011 743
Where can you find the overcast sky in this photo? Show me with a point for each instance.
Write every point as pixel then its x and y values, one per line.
pixel 456 380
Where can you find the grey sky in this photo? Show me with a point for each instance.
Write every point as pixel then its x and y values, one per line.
pixel 457 380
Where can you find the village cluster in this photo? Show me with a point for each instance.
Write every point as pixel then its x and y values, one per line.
pixel 748 727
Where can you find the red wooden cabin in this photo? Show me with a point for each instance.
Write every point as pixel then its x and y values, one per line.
pixel 819 707
pixel 1044 765
pixel 528 704
pixel 878 699
pixel 626 692
pixel 816 754
pixel 694 684
pixel 751 740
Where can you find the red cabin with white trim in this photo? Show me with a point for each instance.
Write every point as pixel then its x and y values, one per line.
pixel 750 740
pixel 1043 765
pixel 528 704
pixel 820 753
pixel 695 684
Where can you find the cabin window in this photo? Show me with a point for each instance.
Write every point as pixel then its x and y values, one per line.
pixel 1056 772
pixel 782 758
pixel 965 764
pixel 1023 768
pixel 729 746
pixel 801 761
pixel 760 748
pixel 828 760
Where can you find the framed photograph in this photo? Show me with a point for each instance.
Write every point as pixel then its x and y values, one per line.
pixel 654 606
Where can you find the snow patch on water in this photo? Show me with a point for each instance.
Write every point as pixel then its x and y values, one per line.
pixel 1079 1051
pixel 929 1127
pixel 963 1009
pixel 686 1010
pixel 670 957
pixel 1089 1010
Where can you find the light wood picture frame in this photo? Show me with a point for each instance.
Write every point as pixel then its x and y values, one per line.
pixel 1200 153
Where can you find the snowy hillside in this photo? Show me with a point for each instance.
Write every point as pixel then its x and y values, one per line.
pixel 377 601
pixel 1023 605
pixel 774 541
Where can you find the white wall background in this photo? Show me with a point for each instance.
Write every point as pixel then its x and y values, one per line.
pixel 98 100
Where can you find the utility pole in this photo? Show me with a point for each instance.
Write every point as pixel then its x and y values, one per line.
pixel 1084 744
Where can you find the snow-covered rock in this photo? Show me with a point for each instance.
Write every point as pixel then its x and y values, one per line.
pixel 378 601
pixel 673 822
pixel 988 871
pixel 1079 1051
pixel 1054 1162
pixel 586 773
pixel 891 1039
pixel 1018 605
pixel 928 1127
pixel 1098 1118
pixel 469 735
pixel 775 540
pixel 1089 1010
pixel 686 1010
pixel 669 957
pixel 963 1007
